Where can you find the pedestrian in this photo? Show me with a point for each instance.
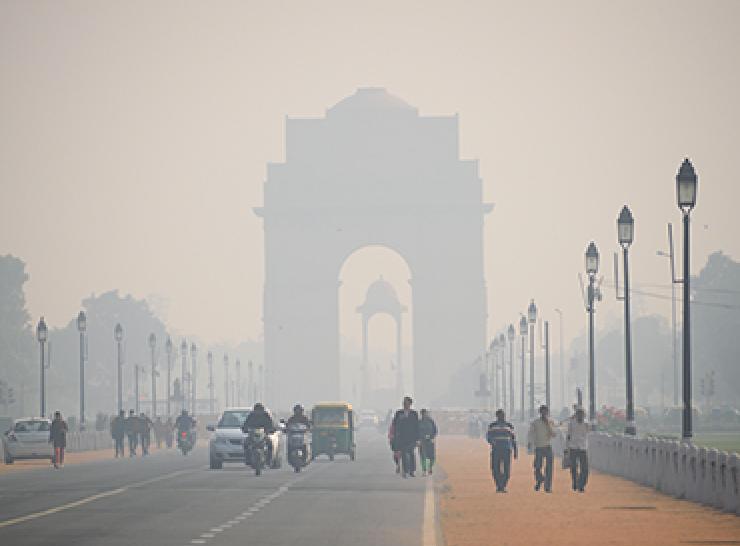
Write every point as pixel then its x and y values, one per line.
pixel 169 433
pixel 428 432
pixel 394 448
pixel 503 444
pixel 58 438
pixel 159 431
pixel 118 432
pixel 541 433
pixel 406 434
pixel 132 431
pixel 145 433
pixel 577 443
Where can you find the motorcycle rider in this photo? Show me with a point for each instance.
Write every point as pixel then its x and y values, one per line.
pixel 184 423
pixel 259 418
pixel 299 418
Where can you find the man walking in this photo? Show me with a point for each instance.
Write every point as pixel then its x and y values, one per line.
pixel 117 432
pixel 145 431
pixel 132 431
pixel 577 443
pixel 503 443
pixel 541 433
pixel 58 438
pixel 406 433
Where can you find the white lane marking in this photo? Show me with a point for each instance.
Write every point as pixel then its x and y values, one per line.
pixel 216 530
pixel 197 541
pixel 207 535
pixel 429 532
pixel 86 500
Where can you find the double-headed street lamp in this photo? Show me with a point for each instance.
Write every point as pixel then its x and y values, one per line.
pixel 168 348
pixel 592 268
pixel 523 333
pixel 82 328
pixel 626 234
pixel 153 347
pixel 532 318
pixel 686 182
pixel 512 335
pixel 118 336
pixel 42 334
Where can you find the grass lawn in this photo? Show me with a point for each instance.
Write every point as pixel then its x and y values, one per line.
pixel 724 441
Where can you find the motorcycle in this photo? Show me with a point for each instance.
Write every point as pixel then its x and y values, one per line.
pixel 185 442
pixel 255 449
pixel 297 446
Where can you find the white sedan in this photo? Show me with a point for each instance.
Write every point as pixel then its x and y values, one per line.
pixel 227 442
pixel 27 439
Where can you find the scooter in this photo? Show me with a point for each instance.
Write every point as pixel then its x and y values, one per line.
pixel 255 449
pixel 185 442
pixel 297 446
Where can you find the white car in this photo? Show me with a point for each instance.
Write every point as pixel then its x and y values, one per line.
pixel 227 441
pixel 368 418
pixel 28 439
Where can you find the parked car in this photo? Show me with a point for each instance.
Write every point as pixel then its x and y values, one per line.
pixel 28 438
pixel 227 441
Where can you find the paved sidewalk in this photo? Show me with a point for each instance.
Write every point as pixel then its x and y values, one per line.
pixel 611 511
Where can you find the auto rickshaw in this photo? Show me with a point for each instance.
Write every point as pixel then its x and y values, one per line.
pixel 332 430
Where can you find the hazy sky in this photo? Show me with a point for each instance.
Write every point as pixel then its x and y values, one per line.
pixel 134 138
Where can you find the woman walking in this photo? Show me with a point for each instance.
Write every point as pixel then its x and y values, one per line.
pixel 58 438
pixel 428 432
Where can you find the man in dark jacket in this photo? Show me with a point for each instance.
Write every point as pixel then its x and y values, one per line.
pixel 406 433
pixel 132 431
pixel 145 432
pixel 58 438
pixel 118 432
pixel 503 443
pixel 259 418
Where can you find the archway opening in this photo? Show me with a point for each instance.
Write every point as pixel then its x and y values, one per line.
pixel 374 377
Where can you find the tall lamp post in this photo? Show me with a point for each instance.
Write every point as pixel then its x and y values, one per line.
pixel 491 365
pixel 118 335
pixel 546 348
pixel 251 393
pixel 626 234
pixel 502 347
pixel 592 267
pixel 211 409
pixel 560 358
pixel 523 333
pixel 42 334
pixel 226 381
pixel 82 328
pixel 512 336
pixel 153 348
pixel 168 347
pixel 532 317
pixel 686 182
pixel 238 397
pixel 193 378
pixel 184 373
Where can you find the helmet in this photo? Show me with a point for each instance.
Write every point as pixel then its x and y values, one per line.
pixel 259 407
pixel 297 408
pixel 184 412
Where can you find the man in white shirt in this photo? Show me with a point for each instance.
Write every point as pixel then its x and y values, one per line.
pixel 577 443
pixel 541 433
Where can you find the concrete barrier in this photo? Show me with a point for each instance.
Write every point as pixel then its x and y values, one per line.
pixel 683 470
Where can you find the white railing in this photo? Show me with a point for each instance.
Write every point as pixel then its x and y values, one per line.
pixel 686 471
pixel 89 440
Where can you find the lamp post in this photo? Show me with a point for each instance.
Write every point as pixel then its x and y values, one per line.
pixel 118 335
pixel 502 348
pixel 626 233
pixel 512 336
pixel 184 373
pixel 136 388
pixel 491 370
pixel 82 328
pixel 546 348
pixel 261 379
pixel 532 318
pixel 560 358
pixel 226 381
pixel 238 382
pixel 193 378
pixel 153 347
pixel 42 334
pixel 686 182
pixel 168 347
pixel 523 333
pixel 251 394
pixel 592 267
pixel 211 409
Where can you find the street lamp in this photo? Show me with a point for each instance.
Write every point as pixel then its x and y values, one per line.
pixel 226 381
pixel 523 333
pixel 686 182
pixel 592 267
pixel 184 373
pixel 502 347
pixel 560 358
pixel 625 235
pixel 251 389
pixel 211 409
pixel 491 357
pixel 532 318
pixel 512 336
pixel 153 347
pixel 168 348
pixel 546 348
pixel 238 397
pixel 42 334
pixel 82 327
pixel 118 335
pixel 193 378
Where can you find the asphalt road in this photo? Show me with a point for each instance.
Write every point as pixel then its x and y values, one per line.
pixel 168 499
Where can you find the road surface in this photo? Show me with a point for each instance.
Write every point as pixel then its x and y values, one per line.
pixel 171 500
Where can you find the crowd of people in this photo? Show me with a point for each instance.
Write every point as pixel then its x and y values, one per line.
pixel 138 430
pixel 406 434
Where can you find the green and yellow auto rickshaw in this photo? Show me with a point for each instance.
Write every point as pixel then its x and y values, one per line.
pixel 332 430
